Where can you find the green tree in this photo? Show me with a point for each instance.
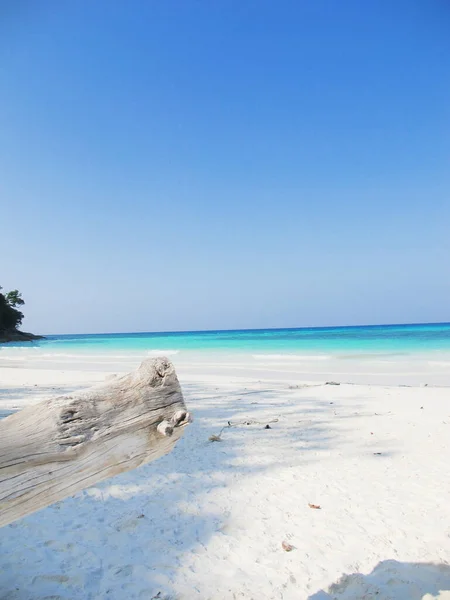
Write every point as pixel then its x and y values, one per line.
pixel 14 298
pixel 10 317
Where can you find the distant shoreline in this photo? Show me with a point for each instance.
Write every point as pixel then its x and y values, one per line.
pixel 18 336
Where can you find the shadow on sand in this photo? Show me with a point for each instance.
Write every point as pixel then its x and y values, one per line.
pixel 392 580
pixel 129 536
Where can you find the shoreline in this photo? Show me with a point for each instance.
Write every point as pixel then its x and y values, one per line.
pixel 8 337
pixel 422 370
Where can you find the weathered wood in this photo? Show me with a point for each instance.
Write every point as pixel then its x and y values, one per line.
pixel 60 446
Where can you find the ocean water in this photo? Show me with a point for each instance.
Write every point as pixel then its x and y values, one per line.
pixel 387 353
pixel 316 343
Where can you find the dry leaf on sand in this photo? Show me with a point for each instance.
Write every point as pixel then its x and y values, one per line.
pixel 287 547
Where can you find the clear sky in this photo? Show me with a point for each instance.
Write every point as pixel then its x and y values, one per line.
pixel 191 164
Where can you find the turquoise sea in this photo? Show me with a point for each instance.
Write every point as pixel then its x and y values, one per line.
pixel 336 341
pixel 391 354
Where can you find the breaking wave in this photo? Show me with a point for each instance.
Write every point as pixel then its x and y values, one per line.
pixel 299 357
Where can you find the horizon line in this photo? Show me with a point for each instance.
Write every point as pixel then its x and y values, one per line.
pixel 308 327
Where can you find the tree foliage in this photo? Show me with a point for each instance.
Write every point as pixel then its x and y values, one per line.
pixel 10 317
pixel 14 298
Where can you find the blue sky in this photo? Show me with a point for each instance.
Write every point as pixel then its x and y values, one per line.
pixel 200 165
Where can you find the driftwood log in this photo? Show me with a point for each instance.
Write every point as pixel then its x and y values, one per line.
pixel 60 446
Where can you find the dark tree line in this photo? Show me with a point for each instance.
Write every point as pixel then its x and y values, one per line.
pixel 10 317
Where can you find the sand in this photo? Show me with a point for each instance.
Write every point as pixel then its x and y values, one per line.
pixel 208 521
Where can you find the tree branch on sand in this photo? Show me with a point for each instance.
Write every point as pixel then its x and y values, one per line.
pixel 60 446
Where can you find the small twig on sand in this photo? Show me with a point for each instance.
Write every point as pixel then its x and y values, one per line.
pixel 218 438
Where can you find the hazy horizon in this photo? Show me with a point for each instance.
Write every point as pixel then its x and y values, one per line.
pixel 360 325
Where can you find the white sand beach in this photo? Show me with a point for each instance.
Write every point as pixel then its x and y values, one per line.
pixel 208 520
